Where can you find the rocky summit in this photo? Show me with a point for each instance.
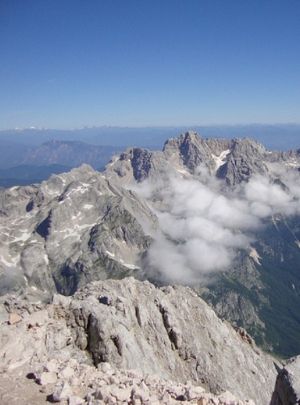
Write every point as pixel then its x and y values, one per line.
pixel 129 342
pixel 234 161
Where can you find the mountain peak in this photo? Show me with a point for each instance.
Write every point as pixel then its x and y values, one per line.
pixel 191 136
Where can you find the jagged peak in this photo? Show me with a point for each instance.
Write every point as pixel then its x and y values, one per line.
pixel 133 151
pixel 191 136
pixel 186 137
pixel 247 142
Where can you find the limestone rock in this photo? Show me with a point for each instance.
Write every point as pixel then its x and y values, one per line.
pixel 246 158
pixel 62 392
pixel 209 351
pixel 287 388
pixel 14 318
pixel 49 377
pixel 75 400
pixel 173 336
pixel 70 229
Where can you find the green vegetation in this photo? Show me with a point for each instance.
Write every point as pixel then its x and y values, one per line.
pixel 272 290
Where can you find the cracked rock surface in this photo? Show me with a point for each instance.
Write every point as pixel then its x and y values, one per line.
pixel 168 333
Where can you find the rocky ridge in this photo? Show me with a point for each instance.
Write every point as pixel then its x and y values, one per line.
pixel 75 227
pixel 287 388
pixel 234 161
pixel 169 336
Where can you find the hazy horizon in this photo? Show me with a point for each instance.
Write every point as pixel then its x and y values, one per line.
pixel 276 136
pixel 175 126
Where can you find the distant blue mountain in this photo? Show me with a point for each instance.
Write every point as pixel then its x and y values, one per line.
pixel 21 165
pixel 279 136
pixel 27 174
pixel 70 153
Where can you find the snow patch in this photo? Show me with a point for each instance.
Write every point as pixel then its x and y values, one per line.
pixel 23 238
pixel 45 257
pixel 52 192
pixel 9 262
pixel 82 188
pixel 130 266
pixel 255 256
pixel 293 164
pixel 88 206
pixel 183 171
pixel 221 159
pixel 109 253
pixel 121 261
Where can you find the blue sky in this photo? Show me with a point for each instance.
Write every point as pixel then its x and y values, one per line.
pixel 70 63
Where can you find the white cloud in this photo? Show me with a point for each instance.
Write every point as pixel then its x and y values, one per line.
pixel 202 228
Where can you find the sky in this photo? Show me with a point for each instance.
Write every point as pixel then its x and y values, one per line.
pixel 74 63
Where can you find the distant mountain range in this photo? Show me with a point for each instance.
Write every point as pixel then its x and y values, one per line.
pixel 69 153
pixel 277 136
pixel 95 146
pixel 21 164
pixel 28 174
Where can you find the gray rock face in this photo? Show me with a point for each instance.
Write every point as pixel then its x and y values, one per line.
pixel 233 161
pixel 194 150
pixel 181 155
pixel 230 303
pixel 141 163
pixel 168 332
pixel 73 228
pixel 287 389
pixel 136 165
pixel 246 158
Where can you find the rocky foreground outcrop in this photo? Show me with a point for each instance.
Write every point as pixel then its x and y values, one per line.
pixel 287 389
pixel 169 336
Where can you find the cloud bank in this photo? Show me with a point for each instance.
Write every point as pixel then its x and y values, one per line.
pixel 202 228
